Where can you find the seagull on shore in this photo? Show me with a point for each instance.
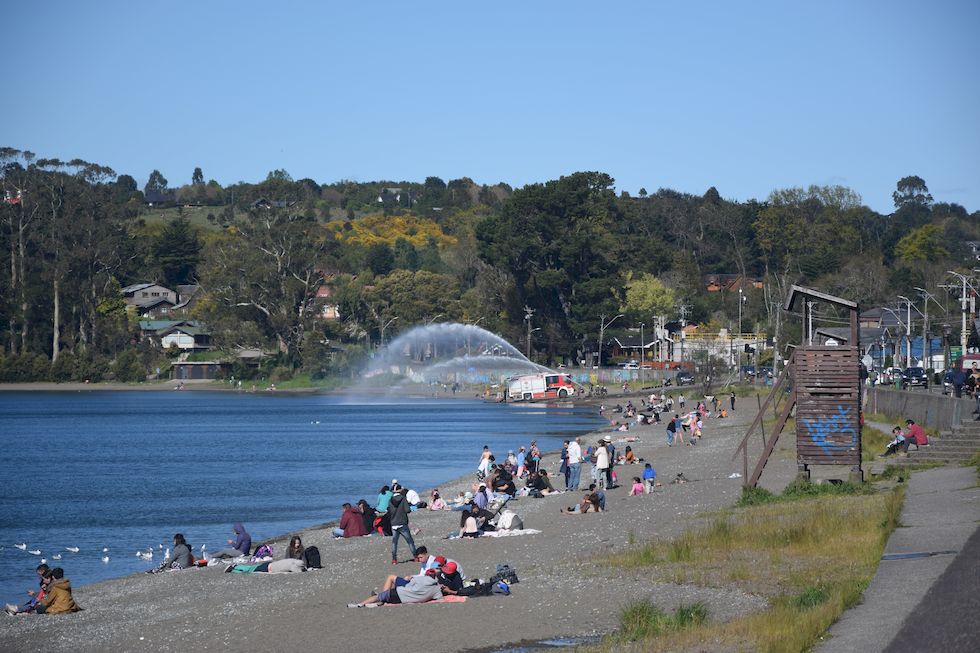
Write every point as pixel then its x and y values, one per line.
pixel 44 561
pixel 166 554
pixel 73 549
pixel 22 547
pixel 148 555
pixel 36 552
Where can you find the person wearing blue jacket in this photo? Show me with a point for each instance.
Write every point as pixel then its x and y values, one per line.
pixel 241 545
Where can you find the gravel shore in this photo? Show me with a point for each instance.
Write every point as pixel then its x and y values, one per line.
pixel 562 592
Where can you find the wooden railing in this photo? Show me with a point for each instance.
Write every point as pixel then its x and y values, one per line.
pixel 778 393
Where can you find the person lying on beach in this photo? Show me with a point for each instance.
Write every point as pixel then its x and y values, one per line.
pixel 240 546
pixel 418 590
pixel 351 523
pixel 182 557
pixel 58 599
pixel 284 566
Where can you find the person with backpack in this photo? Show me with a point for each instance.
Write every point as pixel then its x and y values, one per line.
pixel 398 514
pixel 240 546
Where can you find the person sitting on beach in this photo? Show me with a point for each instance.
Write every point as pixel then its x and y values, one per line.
pixel 470 523
pixel 44 580
pixel 463 501
pixel 503 482
pixel 351 523
pixel 580 508
pixel 414 500
pixel 240 546
pixel 295 548
pixel 637 488
pixel 182 557
pixel 368 515
pixel 418 590
pixel 541 483
pixel 629 458
pixel 449 578
pixel 384 498
pixel 482 498
pixel 437 503
pixel 598 497
pixel 649 477
pixel 58 598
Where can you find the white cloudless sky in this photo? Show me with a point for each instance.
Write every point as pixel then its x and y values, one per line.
pixel 744 96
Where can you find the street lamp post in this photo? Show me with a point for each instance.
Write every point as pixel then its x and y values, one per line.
pixel 385 326
pixel 963 331
pixel 602 332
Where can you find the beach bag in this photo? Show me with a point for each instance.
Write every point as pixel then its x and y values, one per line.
pixel 500 588
pixel 504 573
pixel 312 557
pixel 262 551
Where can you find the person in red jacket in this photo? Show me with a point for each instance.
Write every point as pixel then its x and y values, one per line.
pixel 351 523
pixel 915 435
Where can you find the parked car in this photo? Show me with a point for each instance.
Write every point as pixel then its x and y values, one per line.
pixel 915 376
pixel 890 374
pixel 684 378
pixel 948 382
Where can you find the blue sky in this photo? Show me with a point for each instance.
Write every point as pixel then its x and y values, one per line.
pixel 743 96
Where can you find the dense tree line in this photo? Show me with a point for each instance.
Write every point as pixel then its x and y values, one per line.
pixel 567 254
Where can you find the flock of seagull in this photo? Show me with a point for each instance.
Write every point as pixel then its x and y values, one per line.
pixel 142 555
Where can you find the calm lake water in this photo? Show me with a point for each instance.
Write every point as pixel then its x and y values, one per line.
pixel 127 470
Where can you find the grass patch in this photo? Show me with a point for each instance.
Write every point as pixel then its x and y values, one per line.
pixel 643 620
pixel 873 443
pixel 810 551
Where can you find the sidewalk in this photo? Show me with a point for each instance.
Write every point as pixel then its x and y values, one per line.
pixel 939 517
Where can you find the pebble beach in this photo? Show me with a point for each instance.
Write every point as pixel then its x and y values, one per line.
pixel 563 592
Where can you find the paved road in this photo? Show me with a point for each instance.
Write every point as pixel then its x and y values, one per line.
pixel 927 603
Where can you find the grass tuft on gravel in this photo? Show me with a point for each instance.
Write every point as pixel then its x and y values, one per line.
pixel 810 551
pixel 642 620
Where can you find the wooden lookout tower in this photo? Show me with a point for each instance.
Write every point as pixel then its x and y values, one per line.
pixel 823 385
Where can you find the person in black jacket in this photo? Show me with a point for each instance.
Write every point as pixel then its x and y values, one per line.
pixel 370 514
pixel 398 513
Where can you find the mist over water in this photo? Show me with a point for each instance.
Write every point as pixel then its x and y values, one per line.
pixel 127 470
pixel 446 353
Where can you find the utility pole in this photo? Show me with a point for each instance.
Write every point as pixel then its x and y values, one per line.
pixel 684 309
pixel 926 341
pixel 643 353
pixel 963 299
